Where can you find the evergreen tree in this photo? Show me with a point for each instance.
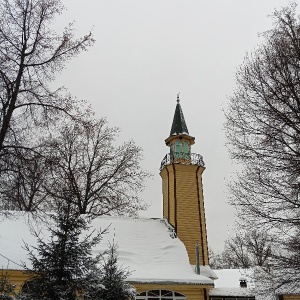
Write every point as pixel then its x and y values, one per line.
pixel 115 286
pixel 6 288
pixel 64 268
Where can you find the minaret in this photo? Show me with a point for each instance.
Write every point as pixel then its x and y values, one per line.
pixel 183 204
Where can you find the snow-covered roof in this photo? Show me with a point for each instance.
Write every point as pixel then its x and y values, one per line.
pixel 231 278
pixel 147 247
pixel 228 283
pixel 206 271
pixel 232 292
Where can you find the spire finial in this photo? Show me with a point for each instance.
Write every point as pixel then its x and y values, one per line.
pixel 178 97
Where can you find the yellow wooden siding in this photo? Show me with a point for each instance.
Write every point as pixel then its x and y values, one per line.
pixel 192 292
pixel 167 175
pixel 165 191
pixel 291 297
pixel 171 196
pixel 202 209
pixel 17 277
pixel 188 226
pixel 187 207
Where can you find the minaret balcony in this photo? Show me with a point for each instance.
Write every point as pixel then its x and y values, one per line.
pixel 182 158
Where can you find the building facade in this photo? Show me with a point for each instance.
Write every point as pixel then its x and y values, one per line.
pixel 167 258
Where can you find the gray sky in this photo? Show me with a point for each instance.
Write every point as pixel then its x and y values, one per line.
pixel 148 51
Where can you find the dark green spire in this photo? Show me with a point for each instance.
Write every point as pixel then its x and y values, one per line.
pixel 178 125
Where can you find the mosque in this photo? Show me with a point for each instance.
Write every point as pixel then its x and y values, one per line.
pixel 167 258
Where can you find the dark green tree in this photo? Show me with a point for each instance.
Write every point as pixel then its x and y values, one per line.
pixel 113 280
pixel 7 289
pixel 63 267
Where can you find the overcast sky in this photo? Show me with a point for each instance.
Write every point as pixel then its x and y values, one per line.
pixel 148 51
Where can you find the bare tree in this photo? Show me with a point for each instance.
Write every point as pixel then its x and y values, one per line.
pixel 22 187
pixel 216 260
pixel 31 53
pixel 263 130
pixel 245 250
pixel 236 254
pixel 259 245
pixel 79 161
pixel 281 276
pixel 248 249
pixel 263 127
pixel 102 178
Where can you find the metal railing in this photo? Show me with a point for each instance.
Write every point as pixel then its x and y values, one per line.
pixel 182 158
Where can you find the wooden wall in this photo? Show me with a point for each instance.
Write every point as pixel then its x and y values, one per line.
pixel 192 292
pixel 291 297
pixel 17 277
pixel 183 205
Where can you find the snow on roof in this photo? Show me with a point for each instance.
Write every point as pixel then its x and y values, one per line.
pixel 206 271
pixel 231 278
pixel 233 292
pixel 147 247
pixel 228 283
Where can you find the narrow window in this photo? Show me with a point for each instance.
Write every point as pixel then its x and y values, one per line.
pixel 186 150
pixel 178 151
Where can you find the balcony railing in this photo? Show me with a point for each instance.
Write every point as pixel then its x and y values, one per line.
pixel 182 158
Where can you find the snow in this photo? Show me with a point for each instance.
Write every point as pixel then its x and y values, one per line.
pixel 237 292
pixel 150 251
pixel 146 247
pixel 231 278
pixel 258 284
pixel 206 271
pixel 228 283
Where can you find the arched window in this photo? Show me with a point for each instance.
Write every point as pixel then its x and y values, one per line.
pixel 27 286
pixel 160 295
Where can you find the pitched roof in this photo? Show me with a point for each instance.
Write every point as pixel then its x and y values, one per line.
pixel 178 125
pixel 228 283
pixel 147 247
